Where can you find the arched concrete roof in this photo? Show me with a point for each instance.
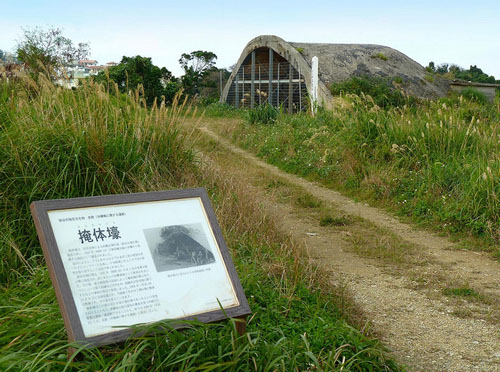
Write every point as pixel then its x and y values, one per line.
pixel 287 51
pixel 339 62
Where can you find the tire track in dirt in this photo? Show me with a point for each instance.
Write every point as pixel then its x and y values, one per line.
pixel 419 326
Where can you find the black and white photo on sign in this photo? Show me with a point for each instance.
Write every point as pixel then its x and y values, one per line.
pixel 178 246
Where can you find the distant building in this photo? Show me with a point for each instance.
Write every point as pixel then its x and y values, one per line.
pixel 87 62
pixel 489 90
pixel 82 69
pixel 94 70
pixel 89 66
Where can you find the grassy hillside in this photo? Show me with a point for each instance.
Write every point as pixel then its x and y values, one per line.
pixel 436 161
pixel 58 143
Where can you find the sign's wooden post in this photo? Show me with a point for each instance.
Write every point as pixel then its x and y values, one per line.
pixel 241 325
pixel 71 352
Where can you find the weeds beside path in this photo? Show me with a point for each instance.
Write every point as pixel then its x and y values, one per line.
pixel 435 307
pixel 60 143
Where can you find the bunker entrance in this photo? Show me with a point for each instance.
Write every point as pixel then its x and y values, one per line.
pixel 265 77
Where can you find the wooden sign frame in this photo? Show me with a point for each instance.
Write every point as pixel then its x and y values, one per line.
pixel 59 272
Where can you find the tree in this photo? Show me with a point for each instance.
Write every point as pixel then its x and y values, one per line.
pixel 442 68
pixel 132 71
pixel 7 58
pixel 49 48
pixel 474 73
pixel 197 65
pixel 431 67
pixel 454 69
pixel 211 87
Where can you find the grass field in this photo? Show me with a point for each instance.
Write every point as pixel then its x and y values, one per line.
pixel 435 161
pixel 58 143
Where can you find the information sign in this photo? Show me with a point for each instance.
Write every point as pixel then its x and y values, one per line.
pixel 121 260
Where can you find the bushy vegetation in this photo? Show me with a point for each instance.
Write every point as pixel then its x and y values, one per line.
pixel 263 114
pixel 201 80
pixel 198 66
pixel 157 83
pixel 472 94
pixel 222 110
pixel 438 161
pixel 58 143
pixel 453 71
pixel 381 90
pixel 48 50
pixel 380 55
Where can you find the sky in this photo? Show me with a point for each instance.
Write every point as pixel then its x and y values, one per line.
pixel 460 32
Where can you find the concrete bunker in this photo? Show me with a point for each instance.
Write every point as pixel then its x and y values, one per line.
pixel 273 71
pixel 266 77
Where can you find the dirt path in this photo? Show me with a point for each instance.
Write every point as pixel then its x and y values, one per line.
pixel 397 275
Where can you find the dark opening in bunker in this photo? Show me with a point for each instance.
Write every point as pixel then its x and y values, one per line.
pixel 265 77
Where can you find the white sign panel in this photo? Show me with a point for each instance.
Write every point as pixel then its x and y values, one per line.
pixel 141 262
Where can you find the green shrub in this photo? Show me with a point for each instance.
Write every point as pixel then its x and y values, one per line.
pixel 206 101
pixel 263 114
pixel 398 79
pixel 474 95
pixel 380 55
pixel 429 77
pixel 464 291
pixel 134 72
pixel 380 89
pixel 221 110
pixel 334 221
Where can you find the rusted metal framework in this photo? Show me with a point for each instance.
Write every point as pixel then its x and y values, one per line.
pixel 265 77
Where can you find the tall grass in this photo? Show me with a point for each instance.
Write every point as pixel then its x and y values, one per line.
pixel 216 110
pixel 262 114
pixel 438 161
pixel 57 143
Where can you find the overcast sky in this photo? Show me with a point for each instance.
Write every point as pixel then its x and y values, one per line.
pixel 461 32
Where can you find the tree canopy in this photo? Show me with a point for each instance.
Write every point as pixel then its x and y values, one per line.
pixel 134 71
pixel 197 65
pixel 49 48
pixel 474 73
